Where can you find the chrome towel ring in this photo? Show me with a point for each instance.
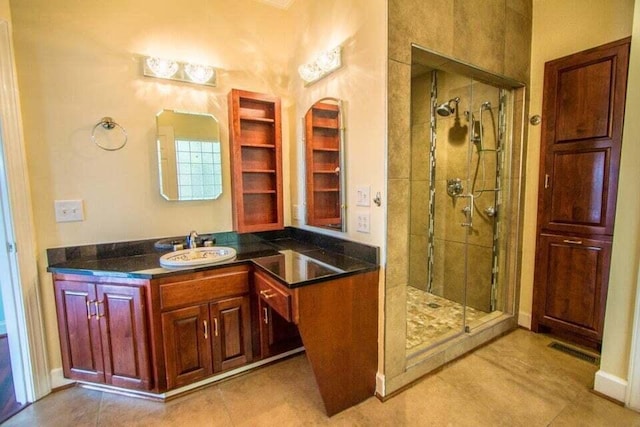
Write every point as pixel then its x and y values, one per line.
pixel 109 124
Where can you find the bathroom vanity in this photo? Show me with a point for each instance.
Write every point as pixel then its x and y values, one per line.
pixel 126 322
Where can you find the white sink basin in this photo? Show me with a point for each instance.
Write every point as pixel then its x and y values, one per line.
pixel 197 257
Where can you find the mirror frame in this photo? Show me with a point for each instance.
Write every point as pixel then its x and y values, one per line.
pixel 308 175
pixel 215 138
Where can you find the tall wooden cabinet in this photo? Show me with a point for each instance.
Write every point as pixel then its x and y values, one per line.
pixel 256 161
pixel 322 136
pixel 583 110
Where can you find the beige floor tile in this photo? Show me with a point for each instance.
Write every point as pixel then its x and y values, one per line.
pixel 513 396
pixel 514 380
pixel 591 410
pixel 75 406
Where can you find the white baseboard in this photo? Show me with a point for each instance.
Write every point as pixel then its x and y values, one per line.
pixel 380 389
pixel 611 386
pixel 58 379
pixel 524 320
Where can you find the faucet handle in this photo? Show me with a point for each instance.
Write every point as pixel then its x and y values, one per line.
pixel 191 239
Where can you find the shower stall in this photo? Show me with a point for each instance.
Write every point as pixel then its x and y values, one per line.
pixel 460 167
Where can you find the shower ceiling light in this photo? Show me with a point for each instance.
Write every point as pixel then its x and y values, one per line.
pixel 324 64
pixel 179 71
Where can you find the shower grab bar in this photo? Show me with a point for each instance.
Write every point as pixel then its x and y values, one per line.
pixel 468 210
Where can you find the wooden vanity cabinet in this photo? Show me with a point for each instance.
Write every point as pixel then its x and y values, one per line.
pixel 206 323
pixel 103 327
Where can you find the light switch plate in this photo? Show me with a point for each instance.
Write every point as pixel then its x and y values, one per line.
pixel 363 196
pixel 68 210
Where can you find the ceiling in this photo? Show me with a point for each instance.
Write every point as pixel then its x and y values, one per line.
pixel 281 4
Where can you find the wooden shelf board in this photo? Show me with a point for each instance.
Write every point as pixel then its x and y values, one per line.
pixel 259 192
pixel 270 146
pixel 258 171
pixel 256 119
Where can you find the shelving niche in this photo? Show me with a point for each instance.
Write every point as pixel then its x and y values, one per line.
pixel 323 165
pixel 256 161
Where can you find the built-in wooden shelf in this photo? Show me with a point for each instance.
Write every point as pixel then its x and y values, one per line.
pixel 256 161
pixel 322 124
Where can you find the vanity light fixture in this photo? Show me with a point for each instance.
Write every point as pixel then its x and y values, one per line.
pixel 180 71
pixel 324 64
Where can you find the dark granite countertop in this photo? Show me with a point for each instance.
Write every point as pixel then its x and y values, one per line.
pixel 296 257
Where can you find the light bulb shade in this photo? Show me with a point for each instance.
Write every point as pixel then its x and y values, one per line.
pixel 179 71
pixel 309 72
pixel 199 73
pixel 329 60
pixel 163 68
pixel 326 63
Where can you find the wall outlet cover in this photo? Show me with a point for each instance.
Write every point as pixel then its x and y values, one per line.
pixel 68 210
pixel 364 223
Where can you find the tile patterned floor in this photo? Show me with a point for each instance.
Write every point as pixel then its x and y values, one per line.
pixel 516 380
pixel 431 318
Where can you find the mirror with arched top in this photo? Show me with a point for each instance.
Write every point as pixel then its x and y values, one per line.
pixel 189 155
pixel 324 160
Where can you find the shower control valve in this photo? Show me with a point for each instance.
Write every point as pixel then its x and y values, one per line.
pixel 454 187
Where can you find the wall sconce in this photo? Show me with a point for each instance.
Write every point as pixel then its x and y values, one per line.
pixel 326 63
pixel 181 71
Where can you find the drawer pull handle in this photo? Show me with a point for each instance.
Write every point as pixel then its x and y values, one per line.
pixel 267 295
pixel 215 326
pixel 89 309
pixel 206 329
pixel 573 242
pixel 266 315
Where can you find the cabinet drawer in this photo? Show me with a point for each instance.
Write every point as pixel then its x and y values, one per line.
pixel 276 296
pixel 191 291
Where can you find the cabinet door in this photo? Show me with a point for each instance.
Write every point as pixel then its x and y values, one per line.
pixel 232 333
pixel 571 285
pixel 79 331
pixel 277 335
pixel 581 139
pixel 187 349
pixel 122 314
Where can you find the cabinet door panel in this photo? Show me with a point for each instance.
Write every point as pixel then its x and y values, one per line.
pixel 79 332
pixel 186 334
pixel 578 191
pixel 571 284
pixel 122 315
pixel 232 331
pixel 584 100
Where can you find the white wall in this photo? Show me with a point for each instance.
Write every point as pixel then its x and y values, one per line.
pixel 359 26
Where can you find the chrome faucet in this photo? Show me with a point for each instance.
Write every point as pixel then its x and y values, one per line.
pixel 191 240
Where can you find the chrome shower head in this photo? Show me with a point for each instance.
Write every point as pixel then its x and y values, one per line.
pixel 447 109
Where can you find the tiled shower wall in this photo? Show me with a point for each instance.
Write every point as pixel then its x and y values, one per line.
pixel 494 35
pixel 455 246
